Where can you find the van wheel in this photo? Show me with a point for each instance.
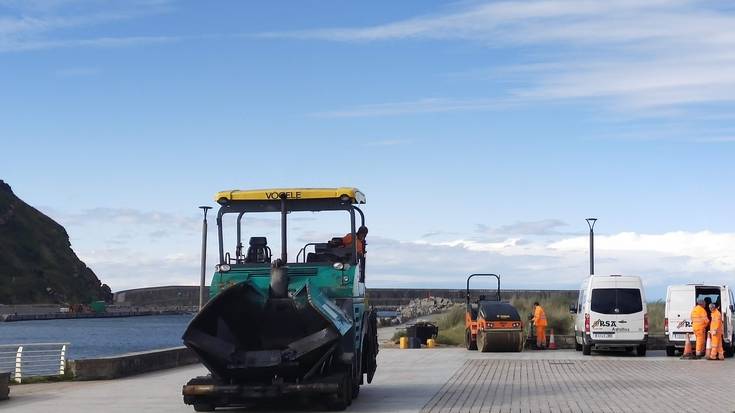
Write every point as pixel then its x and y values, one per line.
pixel 640 351
pixel 587 349
pixel 670 351
pixel 730 350
pixel 577 346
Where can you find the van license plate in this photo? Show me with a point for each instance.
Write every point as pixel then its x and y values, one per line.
pixel 604 335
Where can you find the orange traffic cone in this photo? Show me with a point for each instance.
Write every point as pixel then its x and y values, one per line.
pixel 552 342
pixel 688 353
pixel 708 347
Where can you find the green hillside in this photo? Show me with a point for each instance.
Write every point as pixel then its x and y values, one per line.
pixel 37 264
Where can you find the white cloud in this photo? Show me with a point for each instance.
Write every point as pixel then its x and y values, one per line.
pixel 428 105
pixel 703 250
pixel 633 54
pixel 41 25
pixel 105 42
pixel 562 262
pixel 388 142
pixel 561 19
pixel 541 227
pixel 77 71
pixel 550 262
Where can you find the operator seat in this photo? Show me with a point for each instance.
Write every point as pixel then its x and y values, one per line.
pixel 258 251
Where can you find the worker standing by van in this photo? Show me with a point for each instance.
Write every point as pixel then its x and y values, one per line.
pixel 539 320
pixel 715 330
pixel 700 322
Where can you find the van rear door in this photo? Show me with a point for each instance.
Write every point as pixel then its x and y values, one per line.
pixel 725 310
pixel 616 313
pixel 681 302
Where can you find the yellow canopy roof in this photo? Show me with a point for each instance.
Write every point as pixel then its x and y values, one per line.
pixel 273 194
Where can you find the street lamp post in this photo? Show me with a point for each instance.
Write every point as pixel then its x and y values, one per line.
pixel 204 256
pixel 591 224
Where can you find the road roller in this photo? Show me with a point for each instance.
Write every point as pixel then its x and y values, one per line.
pixel 492 324
pixel 295 326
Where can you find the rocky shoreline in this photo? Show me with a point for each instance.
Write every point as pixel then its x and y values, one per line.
pixel 417 308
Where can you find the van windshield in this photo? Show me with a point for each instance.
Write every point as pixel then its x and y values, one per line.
pixel 616 300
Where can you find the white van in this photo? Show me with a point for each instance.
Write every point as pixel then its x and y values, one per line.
pixel 681 299
pixel 611 313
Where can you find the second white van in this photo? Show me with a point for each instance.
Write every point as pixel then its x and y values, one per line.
pixel 681 299
pixel 611 313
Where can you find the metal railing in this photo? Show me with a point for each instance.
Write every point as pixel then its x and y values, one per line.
pixel 33 360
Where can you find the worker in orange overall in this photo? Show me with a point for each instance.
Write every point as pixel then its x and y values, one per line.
pixel 539 320
pixel 715 331
pixel 347 240
pixel 699 325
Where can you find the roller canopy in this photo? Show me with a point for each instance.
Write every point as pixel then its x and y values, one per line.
pixel 498 311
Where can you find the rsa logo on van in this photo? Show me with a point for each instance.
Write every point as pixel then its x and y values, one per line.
pixel 602 323
pixel 684 323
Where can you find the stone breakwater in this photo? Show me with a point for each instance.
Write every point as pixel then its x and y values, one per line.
pixel 419 308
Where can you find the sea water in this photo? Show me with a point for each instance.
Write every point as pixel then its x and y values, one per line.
pixel 100 337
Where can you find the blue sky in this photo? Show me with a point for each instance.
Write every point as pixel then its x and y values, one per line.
pixel 483 133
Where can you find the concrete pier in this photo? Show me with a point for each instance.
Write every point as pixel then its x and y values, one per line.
pixel 446 380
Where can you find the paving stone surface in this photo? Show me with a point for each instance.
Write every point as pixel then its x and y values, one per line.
pixel 606 385
pixel 443 380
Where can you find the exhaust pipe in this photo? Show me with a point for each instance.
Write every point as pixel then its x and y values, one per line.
pixel 279 280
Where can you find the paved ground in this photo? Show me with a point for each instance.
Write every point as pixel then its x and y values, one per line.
pixel 586 386
pixel 447 380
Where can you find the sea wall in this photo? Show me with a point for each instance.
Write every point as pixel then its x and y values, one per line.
pixel 4 385
pixel 168 296
pixel 30 309
pixel 106 368
pixel 379 297
pixel 394 297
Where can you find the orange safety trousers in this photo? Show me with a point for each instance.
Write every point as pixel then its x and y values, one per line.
pixel 717 350
pixel 701 341
pixel 540 336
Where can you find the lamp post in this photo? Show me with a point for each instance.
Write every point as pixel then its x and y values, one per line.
pixel 591 224
pixel 204 256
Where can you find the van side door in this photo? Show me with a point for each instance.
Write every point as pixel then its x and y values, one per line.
pixel 579 317
pixel 727 313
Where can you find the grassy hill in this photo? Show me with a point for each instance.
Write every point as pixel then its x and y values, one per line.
pixel 37 264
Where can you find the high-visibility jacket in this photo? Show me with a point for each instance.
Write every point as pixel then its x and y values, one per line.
pixel 347 242
pixel 539 317
pixel 699 318
pixel 716 323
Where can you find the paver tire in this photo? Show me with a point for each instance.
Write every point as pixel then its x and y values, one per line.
pixel 355 390
pixel 587 349
pixel 670 351
pixel 343 397
pixel 640 351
